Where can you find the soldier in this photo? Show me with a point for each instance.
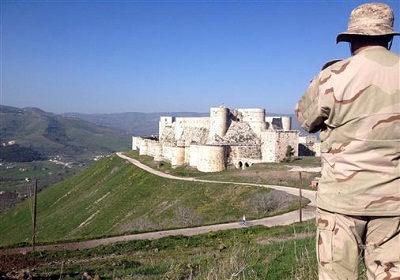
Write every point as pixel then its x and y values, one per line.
pixel 355 104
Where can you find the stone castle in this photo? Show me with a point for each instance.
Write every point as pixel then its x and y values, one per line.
pixel 239 137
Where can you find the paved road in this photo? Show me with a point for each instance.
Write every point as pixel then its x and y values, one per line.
pixel 307 213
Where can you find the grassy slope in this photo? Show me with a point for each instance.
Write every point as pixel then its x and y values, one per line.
pixel 283 252
pixel 248 253
pixel 114 197
pixel 264 173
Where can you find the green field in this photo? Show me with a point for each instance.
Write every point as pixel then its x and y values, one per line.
pixel 114 197
pixel 13 178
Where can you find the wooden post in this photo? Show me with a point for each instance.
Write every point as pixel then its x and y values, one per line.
pixel 301 197
pixel 34 217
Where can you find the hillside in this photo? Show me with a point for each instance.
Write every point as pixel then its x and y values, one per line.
pixel 113 197
pixel 52 135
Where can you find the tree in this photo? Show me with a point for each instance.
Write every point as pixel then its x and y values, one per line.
pixel 289 154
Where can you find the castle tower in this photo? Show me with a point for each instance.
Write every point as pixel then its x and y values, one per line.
pixel 219 121
pixel 163 122
pixel 255 118
pixel 286 123
pixel 279 123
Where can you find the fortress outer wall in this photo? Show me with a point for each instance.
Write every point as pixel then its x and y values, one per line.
pixel 274 144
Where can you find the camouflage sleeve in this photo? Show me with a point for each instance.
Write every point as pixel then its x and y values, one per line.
pixel 308 111
pixel 314 107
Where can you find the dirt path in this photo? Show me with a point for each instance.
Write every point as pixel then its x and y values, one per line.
pixel 309 194
pixel 307 213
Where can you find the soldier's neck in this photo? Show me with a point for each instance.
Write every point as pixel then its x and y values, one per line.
pixel 357 49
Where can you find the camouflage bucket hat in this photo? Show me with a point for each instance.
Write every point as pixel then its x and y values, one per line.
pixel 372 19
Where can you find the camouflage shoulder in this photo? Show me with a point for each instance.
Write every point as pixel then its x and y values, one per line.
pixel 329 63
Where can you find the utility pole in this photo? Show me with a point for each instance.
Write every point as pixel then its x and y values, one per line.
pixel 301 197
pixel 34 217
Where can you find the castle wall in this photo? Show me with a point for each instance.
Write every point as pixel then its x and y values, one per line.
pixel 286 138
pixel 274 145
pixel 309 146
pixel 143 147
pixel 157 151
pixel 268 148
pixel 135 142
pixel 187 155
pixel 167 152
pixel 240 156
pixel 194 152
pixel 147 147
pixel 154 149
pixel 182 123
pixel 248 152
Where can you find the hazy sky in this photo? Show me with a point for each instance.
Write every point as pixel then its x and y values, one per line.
pixel 164 56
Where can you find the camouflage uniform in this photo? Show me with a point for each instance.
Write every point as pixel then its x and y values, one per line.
pixel 355 103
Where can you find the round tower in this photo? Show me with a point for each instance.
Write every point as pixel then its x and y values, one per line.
pixel 177 156
pixel 255 118
pixel 286 123
pixel 218 121
pixel 211 158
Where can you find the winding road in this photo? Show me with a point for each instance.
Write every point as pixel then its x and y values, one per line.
pixel 307 213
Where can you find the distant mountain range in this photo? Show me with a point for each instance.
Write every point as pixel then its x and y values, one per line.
pixel 137 124
pixel 31 131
